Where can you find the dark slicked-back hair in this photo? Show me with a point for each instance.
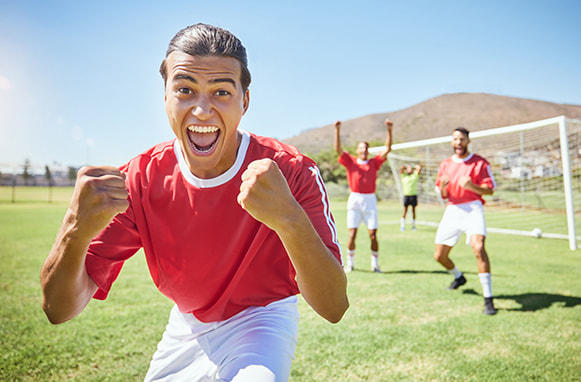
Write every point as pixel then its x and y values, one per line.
pixel 208 40
pixel 463 130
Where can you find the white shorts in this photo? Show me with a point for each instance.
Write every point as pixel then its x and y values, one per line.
pixel 256 345
pixel 465 218
pixel 362 208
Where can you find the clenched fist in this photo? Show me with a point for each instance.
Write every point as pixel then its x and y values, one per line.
pixel 264 192
pixel 100 194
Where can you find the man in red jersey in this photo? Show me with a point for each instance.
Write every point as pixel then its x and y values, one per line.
pixel 362 203
pixel 217 243
pixel 462 179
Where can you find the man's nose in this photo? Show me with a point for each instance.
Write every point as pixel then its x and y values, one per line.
pixel 202 109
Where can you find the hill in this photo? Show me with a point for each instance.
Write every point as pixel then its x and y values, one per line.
pixel 436 117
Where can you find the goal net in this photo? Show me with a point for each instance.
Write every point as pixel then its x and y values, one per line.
pixel 537 168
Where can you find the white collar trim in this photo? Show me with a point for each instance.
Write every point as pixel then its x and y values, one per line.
pixel 460 160
pixel 220 179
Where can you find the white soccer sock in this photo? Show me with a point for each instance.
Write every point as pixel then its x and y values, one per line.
pixel 350 257
pixel 402 221
pixel 374 258
pixel 455 272
pixel 413 222
pixel 486 281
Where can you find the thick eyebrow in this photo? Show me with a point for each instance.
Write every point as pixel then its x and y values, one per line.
pixel 185 77
pixel 216 80
pixel 228 80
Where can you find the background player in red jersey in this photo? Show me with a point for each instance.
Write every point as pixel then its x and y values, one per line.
pixel 462 179
pixel 362 202
pixel 230 256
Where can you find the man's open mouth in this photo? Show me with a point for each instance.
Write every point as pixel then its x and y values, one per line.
pixel 203 138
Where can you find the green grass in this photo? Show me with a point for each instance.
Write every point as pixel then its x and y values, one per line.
pixel 34 195
pixel 403 325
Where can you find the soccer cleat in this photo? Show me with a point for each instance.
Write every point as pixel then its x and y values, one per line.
pixel 402 228
pixel 457 283
pixel 414 228
pixel 376 269
pixel 489 308
pixel 348 268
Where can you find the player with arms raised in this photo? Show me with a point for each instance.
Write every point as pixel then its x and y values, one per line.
pixel 362 203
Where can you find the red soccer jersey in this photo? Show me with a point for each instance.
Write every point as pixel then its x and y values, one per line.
pixel 473 166
pixel 361 175
pixel 203 250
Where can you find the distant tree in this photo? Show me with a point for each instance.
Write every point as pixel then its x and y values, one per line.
pixel 48 176
pixel 26 174
pixel 72 175
pixel 331 169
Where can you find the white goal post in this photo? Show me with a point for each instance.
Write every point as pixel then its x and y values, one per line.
pixel 536 165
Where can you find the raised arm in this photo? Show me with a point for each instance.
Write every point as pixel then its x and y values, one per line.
pixel 389 127
pixel 338 147
pixel 99 195
pixel 320 277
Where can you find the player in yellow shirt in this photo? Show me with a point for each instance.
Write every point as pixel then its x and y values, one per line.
pixel 409 185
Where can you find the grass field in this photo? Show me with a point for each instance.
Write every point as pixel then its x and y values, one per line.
pixel 403 325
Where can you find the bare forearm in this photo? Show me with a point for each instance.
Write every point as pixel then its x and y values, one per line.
pixel 481 190
pixel 484 190
pixel 388 139
pixel 66 286
pixel 442 189
pixel 338 147
pixel 320 277
pixel 337 141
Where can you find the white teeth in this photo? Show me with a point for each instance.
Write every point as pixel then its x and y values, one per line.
pixel 202 129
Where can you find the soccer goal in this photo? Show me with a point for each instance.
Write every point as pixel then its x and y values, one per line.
pixel 537 168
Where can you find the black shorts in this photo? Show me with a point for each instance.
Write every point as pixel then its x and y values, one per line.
pixel 410 200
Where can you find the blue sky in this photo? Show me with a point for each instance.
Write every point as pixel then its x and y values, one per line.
pixel 79 80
